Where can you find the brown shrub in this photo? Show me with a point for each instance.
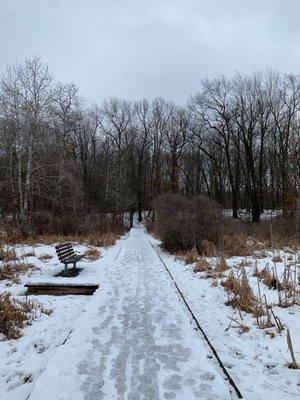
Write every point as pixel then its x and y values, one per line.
pixel 184 222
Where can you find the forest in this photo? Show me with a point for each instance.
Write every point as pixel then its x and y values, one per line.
pixel 236 140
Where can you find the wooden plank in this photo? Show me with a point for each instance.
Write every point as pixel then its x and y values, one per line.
pixel 60 289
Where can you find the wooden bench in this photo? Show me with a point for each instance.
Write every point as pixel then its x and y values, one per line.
pixel 67 255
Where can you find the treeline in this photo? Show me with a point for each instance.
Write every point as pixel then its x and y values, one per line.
pixel 237 140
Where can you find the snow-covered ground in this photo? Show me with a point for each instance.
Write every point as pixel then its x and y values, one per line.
pixel 23 360
pixel 257 360
pixel 245 215
pixel 133 339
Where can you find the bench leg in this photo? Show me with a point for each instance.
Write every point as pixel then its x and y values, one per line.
pixel 74 265
pixel 66 269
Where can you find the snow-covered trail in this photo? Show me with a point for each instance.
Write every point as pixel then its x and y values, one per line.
pixel 135 341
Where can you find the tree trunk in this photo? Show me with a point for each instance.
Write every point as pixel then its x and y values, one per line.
pixel 255 207
pixel 234 204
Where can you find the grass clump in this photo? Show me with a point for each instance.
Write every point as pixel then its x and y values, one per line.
pixel 202 265
pixel 240 295
pixel 234 245
pixel 15 314
pixel 45 257
pixel 8 254
pixel 191 256
pixel 92 254
pixel 208 248
pixel 221 265
pixel 12 271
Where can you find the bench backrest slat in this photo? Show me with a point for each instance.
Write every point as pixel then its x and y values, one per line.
pixel 65 252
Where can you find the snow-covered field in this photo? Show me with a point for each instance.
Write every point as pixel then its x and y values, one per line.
pixel 257 359
pixel 245 215
pixel 129 338
pixel 23 360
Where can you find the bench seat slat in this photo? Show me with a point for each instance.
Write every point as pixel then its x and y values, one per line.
pixel 73 259
pixel 67 257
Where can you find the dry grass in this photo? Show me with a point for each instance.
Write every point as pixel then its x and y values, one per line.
pixel 192 256
pixel 28 254
pixel 234 245
pixel 208 248
pixel 277 259
pixel 188 257
pixel 261 254
pixel 240 293
pixel 286 285
pixel 267 277
pixel 102 240
pixel 12 271
pixel 92 254
pixel 8 254
pixel 15 314
pixel 239 323
pixel 12 317
pixel 202 265
pixel 293 364
pixel 45 257
pixel 221 265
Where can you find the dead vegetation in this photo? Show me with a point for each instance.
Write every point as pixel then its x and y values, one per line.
pixel 15 314
pixel 238 323
pixel 12 271
pixel 240 294
pixel 236 244
pixel 208 248
pixel 285 285
pixel 45 257
pixel 7 254
pixel 277 259
pixel 202 265
pixel 293 364
pixel 103 240
pixel 28 254
pixel 221 265
pixel 98 239
pixel 92 254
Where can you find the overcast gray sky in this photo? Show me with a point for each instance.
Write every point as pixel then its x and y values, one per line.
pixel 150 48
